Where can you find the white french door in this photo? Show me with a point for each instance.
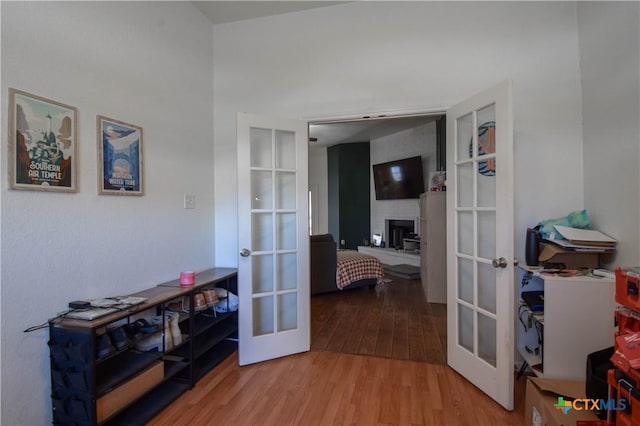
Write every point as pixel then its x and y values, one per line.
pixel 273 265
pixel 480 302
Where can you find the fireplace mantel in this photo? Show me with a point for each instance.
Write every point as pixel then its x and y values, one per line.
pixel 397 228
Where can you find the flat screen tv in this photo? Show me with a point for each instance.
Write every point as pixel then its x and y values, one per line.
pixel 399 179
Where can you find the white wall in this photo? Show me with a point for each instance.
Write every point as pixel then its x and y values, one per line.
pixel 367 57
pixel 146 63
pixel 609 58
pixel 420 141
pixel 319 186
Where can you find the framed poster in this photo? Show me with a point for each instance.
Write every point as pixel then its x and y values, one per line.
pixel 42 143
pixel 119 157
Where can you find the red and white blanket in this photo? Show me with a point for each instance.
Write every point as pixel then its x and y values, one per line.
pixel 354 266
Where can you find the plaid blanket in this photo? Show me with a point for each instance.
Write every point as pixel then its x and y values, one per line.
pixel 354 266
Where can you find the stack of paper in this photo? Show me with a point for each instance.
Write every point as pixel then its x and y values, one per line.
pixel 584 239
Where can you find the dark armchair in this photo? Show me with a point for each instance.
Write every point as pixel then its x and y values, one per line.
pixel 323 264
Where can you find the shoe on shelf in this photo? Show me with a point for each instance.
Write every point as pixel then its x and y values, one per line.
pixel 118 338
pixel 210 296
pixel 168 339
pixel 105 347
pixel 151 342
pixel 146 327
pixel 133 331
pixel 174 325
pixel 199 302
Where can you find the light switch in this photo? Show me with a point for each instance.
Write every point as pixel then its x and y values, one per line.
pixel 189 201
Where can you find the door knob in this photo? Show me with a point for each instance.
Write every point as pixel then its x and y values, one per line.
pixel 499 263
pixel 245 252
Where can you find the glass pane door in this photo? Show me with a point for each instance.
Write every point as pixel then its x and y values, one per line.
pixel 480 305
pixel 273 211
pixel 475 212
pixel 273 241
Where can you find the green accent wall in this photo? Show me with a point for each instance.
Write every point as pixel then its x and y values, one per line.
pixel 349 193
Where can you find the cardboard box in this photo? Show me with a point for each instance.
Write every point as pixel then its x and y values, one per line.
pixel 129 391
pixel 542 397
pixel 551 253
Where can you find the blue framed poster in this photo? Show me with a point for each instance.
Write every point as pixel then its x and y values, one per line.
pixel 119 157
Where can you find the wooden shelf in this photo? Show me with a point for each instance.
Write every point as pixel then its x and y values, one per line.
pixel 130 386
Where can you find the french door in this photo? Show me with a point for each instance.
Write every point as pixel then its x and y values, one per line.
pixel 480 301
pixel 273 263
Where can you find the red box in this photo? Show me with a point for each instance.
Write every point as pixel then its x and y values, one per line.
pixel 628 320
pixel 628 287
pixel 623 387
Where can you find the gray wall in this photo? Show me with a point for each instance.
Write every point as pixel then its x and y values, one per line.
pixel 609 58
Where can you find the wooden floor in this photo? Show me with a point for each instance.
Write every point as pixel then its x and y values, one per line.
pixel 329 387
pixel 393 320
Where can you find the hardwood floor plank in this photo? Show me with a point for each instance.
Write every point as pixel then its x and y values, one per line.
pixel 324 388
pixel 385 335
pixel 394 320
pixel 372 330
pixel 400 340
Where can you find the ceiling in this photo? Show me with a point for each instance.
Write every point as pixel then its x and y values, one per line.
pixel 220 12
pixel 325 134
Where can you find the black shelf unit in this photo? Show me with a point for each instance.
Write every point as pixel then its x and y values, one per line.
pixel 130 386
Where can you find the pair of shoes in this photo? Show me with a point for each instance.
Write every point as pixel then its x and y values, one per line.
pixel 138 329
pixel 118 338
pixel 111 341
pixel 133 331
pixel 146 327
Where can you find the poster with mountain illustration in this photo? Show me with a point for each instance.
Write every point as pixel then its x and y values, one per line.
pixel 120 157
pixel 42 143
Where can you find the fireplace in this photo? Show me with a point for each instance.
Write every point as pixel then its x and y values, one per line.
pixel 398 229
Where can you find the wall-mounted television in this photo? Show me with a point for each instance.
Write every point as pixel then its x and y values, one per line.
pixel 399 179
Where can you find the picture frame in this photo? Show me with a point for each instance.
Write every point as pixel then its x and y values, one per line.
pixel 42 143
pixel 120 157
pixel 438 181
